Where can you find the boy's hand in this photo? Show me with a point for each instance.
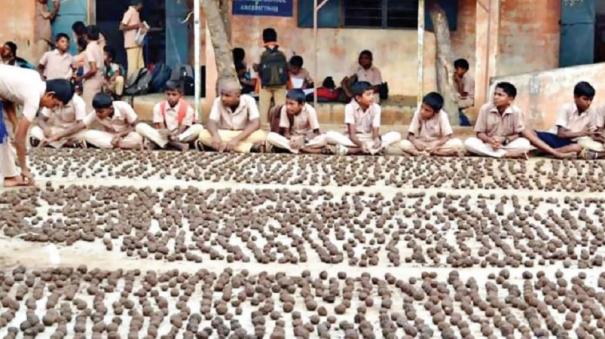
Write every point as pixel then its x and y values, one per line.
pixel 47 131
pixel 217 144
pixel 230 146
pixel 115 142
pixel 377 143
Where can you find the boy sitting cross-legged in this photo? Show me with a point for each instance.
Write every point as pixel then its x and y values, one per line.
pixel 174 121
pixel 362 120
pixel 117 119
pixel 430 132
pixel 298 125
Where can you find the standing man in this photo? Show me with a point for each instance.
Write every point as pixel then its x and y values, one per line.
pixel 131 23
pixel 42 30
pixel 24 87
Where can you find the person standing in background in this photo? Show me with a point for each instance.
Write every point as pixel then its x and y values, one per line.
pixel 94 68
pixel 42 30
pixel 130 24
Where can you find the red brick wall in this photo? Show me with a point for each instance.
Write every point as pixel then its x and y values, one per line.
pixel 529 36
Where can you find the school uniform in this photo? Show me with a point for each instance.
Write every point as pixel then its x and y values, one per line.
pixel 571 119
pixel 465 85
pixel 490 122
pixel 429 130
pixel 365 121
pixel 57 65
pixel 134 52
pixel 114 83
pixel 123 117
pixel 598 123
pixel 94 84
pixel 22 87
pixel 61 119
pixel 231 122
pixel 371 75
pixel 301 126
pixel 182 114
pixel 298 80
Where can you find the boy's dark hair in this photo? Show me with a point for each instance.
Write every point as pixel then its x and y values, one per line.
pixel 297 95
pixel 297 61
pixel 102 100
pixel 93 32
pixel 367 53
pixel 360 87
pixel 239 66
pixel 269 35
pixel 584 89
pixel 507 88
pixel 462 63
pixel 12 46
pixel 434 100
pixel 110 52
pixel 136 2
pixel 60 36
pixel 82 42
pixel 79 28
pixel 62 88
pixel 239 54
pixel 172 85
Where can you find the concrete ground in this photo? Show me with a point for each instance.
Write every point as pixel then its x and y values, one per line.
pixel 248 244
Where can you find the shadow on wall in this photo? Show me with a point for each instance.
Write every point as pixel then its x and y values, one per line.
pixel 541 94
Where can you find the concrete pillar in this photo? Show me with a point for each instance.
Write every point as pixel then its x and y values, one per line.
pixel 488 22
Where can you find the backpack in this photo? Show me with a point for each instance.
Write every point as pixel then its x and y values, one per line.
pixel 160 74
pixel 184 75
pixel 141 83
pixel 273 68
pixel 183 107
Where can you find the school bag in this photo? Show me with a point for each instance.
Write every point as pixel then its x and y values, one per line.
pixel 184 75
pixel 183 107
pixel 273 68
pixel 160 74
pixel 141 82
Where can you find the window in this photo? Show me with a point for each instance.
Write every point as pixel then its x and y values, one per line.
pixel 380 13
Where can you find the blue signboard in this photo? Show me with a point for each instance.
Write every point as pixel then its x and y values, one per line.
pixel 263 7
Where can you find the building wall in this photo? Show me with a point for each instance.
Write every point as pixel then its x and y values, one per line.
pixel 541 94
pixel 17 25
pixel 529 36
pixel 395 50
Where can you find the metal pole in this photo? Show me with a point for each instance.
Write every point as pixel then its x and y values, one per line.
pixel 197 55
pixel 316 9
pixel 420 51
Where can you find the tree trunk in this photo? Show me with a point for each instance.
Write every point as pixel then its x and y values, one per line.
pixel 444 62
pixel 220 40
pixel 225 15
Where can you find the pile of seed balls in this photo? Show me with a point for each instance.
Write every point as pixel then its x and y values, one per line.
pixel 452 248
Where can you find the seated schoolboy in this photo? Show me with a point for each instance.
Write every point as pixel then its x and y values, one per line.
pixel 593 146
pixel 464 83
pixel 574 127
pixel 365 71
pixel 60 126
pixel 430 132
pixel 114 74
pixel 117 120
pixel 234 122
pixel 174 121
pixel 362 120
pixel 499 127
pixel 299 76
pixel 299 127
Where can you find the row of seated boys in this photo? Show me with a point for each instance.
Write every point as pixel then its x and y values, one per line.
pixel 234 125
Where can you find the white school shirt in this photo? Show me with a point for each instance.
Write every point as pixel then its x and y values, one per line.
pixel 23 87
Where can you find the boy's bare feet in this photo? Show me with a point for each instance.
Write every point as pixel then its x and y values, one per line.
pixel 17 182
pixel 566 155
pixel 516 155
